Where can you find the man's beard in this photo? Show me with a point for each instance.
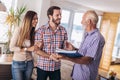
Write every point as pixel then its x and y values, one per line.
pixel 55 21
pixel 84 26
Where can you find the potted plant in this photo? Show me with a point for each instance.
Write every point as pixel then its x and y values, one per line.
pixel 13 20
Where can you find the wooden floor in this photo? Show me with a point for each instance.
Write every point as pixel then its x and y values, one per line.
pixel 115 68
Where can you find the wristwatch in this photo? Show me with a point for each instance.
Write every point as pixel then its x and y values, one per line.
pixel 25 49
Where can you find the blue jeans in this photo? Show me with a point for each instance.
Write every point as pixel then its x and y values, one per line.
pixel 22 70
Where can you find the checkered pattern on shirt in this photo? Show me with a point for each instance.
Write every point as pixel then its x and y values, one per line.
pixel 51 41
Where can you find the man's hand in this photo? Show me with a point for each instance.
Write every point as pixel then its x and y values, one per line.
pixel 38 46
pixel 30 48
pixel 69 46
pixel 54 57
pixel 57 57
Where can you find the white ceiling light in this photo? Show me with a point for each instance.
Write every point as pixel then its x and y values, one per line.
pixel 2 7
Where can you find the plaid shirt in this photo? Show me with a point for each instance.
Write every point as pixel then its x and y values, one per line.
pixel 51 41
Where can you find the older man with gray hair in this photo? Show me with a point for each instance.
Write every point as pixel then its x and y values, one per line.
pixel 86 67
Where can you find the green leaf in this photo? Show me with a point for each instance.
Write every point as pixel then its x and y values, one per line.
pixel 13 18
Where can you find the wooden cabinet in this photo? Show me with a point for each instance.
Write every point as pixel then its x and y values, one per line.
pixel 5 72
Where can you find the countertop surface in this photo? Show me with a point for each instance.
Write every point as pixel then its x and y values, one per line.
pixel 5 63
pixel 6 59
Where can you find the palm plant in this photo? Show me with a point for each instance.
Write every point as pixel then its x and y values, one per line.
pixel 13 19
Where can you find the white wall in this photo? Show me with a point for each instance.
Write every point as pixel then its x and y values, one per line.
pixel 40 6
pixel 30 4
pixel 43 12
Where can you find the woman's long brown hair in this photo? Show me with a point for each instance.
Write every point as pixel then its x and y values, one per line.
pixel 26 29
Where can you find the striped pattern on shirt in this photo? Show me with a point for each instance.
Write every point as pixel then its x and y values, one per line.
pixel 91 46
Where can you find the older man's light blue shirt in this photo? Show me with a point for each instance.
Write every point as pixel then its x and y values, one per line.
pixel 91 46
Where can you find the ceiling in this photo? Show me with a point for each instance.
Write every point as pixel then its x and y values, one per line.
pixel 101 5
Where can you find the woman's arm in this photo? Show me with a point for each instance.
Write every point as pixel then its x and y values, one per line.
pixel 38 49
pixel 13 41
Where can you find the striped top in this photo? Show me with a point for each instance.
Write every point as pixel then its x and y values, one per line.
pixel 51 41
pixel 92 46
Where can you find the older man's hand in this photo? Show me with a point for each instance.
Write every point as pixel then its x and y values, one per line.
pixel 69 46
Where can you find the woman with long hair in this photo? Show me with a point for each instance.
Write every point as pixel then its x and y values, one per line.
pixel 22 44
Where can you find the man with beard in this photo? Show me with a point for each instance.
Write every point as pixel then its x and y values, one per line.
pixel 86 67
pixel 47 39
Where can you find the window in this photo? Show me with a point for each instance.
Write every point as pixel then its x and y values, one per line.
pixel 77 31
pixel 65 18
pixel 99 21
pixel 72 22
pixel 3 26
pixel 116 49
pixel 7 3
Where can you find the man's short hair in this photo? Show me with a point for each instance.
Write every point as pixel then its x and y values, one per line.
pixel 92 15
pixel 51 10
